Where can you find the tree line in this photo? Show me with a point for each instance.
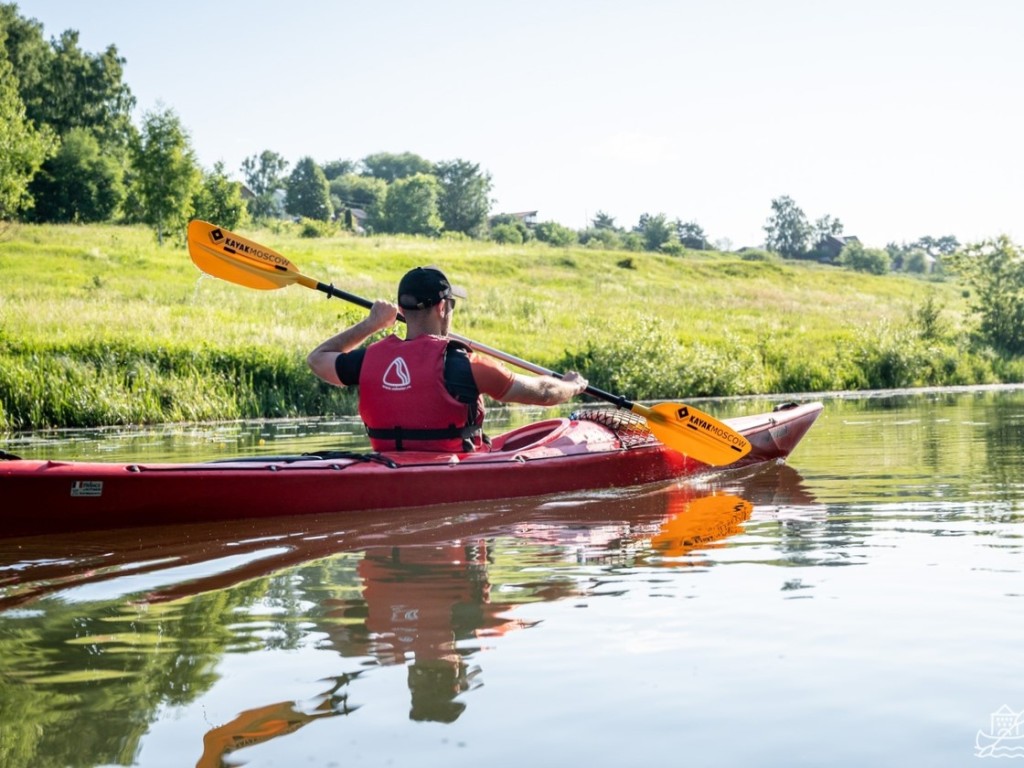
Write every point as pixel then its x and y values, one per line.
pixel 72 154
pixel 790 233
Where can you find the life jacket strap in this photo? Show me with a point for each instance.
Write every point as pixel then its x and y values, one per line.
pixel 470 434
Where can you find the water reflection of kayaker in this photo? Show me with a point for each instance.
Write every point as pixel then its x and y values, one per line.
pixel 417 604
pixel 425 392
pixel 428 605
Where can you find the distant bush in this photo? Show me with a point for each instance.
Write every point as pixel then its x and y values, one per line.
pixel 917 262
pixel 509 219
pixel 556 234
pixel 757 254
pixel 855 256
pixel 601 238
pixel 314 228
pixel 506 234
pixel 632 241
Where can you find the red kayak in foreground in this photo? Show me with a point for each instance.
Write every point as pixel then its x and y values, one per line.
pixel 597 449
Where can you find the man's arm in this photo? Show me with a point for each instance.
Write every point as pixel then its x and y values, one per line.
pixel 544 390
pixel 323 359
pixel 494 379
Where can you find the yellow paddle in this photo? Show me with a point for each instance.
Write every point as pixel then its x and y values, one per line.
pixel 229 256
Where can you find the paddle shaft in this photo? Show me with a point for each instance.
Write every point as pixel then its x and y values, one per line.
pixel 526 365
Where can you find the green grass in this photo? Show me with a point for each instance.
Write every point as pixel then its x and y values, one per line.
pixel 99 325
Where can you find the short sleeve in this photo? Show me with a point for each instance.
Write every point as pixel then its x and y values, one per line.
pixel 491 376
pixel 349 365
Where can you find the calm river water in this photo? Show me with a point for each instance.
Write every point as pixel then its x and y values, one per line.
pixel 861 605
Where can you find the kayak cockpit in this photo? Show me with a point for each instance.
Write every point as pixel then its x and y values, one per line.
pixel 529 436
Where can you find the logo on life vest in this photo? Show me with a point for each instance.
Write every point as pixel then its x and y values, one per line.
pixel 397 375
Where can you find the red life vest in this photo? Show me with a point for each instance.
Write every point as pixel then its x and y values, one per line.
pixel 404 403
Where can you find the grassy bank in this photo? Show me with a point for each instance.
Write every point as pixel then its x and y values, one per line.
pixel 98 325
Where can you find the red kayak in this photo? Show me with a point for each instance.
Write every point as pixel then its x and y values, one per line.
pixel 597 449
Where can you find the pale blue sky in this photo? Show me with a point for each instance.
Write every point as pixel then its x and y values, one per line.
pixel 902 118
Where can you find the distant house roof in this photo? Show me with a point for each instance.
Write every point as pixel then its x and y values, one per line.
pixel 829 248
pixel 527 217
pixel 841 240
pixel 355 219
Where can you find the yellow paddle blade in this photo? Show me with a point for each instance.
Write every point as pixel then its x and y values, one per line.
pixel 695 433
pixel 703 521
pixel 229 256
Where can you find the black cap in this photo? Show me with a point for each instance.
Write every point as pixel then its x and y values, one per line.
pixel 424 287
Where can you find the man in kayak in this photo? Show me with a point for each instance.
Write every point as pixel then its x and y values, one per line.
pixel 426 392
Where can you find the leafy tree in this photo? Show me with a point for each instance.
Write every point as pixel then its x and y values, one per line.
pixel 411 206
pixel 23 146
pixel 391 167
pixel 464 202
pixel 29 54
pixel 553 233
pixel 928 320
pixel 691 235
pixel 656 231
pixel 309 194
pixel 84 90
pixel 824 228
pixel 69 89
pixel 603 221
pixel 167 175
pixel 64 87
pixel 264 175
pixel 994 270
pixel 219 200
pixel 937 246
pixel 335 168
pixel 787 231
pixel 80 183
pixel 365 192
pixel 860 259
pixel 897 253
pixel 923 255
pixel 827 226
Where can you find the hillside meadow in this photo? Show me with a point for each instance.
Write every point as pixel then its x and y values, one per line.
pixel 99 325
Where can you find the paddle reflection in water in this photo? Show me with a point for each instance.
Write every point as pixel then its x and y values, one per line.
pixel 428 589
